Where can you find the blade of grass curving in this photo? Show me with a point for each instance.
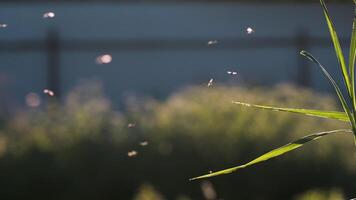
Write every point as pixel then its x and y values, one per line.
pixel 352 60
pixel 315 113
pixel 336 87
pixel 274 153
pixel 337 47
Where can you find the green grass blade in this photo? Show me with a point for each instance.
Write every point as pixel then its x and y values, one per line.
pixel 315 113
pixel 274 153
pixel 337 47
pixel 352 59
pixel 336 87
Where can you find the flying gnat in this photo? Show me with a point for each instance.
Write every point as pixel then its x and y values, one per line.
pixel 212 42
pixel 48 92
pixel 249 30
pixel 131 125
pixel 231 72
pixel 49 15
pixel 104 59
pixel 132 153
pixel 210 83
pixel 144 143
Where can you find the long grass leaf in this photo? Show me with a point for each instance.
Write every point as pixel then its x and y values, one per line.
pixel 315 113
pixel 274 153
pixel 336 87
pixel 337 47
pixel 352 59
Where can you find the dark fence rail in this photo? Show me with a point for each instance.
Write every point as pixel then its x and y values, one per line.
pixel 163 44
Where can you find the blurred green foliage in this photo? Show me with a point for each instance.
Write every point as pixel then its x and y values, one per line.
pixel 321 195
pixel 148 192
pixel 78 149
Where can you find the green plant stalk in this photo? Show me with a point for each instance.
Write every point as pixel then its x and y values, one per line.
pixel 342 116
pixel 350 74
pixel 274 153
pixel 342 100
pixel 337 48
pixel 352 55
pixel 349 112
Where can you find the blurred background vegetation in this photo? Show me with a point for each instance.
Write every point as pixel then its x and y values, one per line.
pixel 79 149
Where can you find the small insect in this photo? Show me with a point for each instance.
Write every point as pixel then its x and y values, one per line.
pixel 49 15
pixel 249 30
pixel 210 83
pixel 131 125
pixel 212 42
pixel 132 153
pixel 231 72
pixel 104 59
pixel 49 92
pixel 144 143
pixel 3 25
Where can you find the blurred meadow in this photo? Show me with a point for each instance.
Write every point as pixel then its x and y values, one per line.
pixel 79 149
pixel 128 100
